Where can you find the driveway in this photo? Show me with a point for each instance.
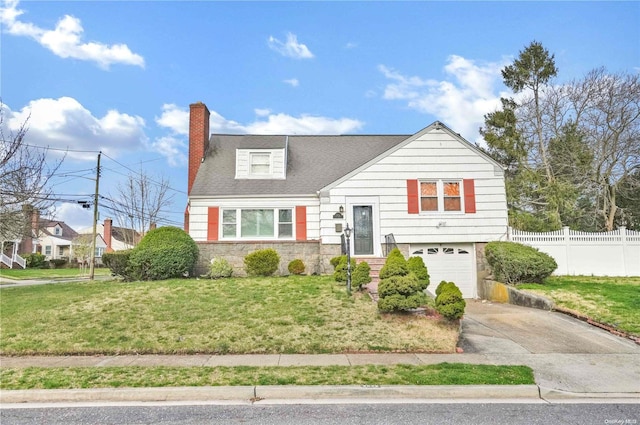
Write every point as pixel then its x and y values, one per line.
pixel 565 353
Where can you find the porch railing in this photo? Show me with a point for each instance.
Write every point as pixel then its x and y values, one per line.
pixel 6 260
pixel 20 261
pixel 389 244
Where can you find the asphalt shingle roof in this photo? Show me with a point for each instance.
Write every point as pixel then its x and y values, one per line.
pixel 313 162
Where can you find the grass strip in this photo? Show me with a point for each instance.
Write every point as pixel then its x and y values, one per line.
pixel 45 274
pixel 160 376
pixel 610 300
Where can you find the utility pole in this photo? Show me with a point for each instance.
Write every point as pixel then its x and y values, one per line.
pixel 92 265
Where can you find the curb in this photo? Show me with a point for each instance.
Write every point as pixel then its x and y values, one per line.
pixel 274 392
pixel 554 394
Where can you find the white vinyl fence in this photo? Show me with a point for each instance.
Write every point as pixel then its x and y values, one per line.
pixel 615 253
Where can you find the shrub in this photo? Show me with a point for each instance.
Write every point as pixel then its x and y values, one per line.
pixel 263 262
pixel 57 263
pixel 395 265
pixel 361 275
pixel 34 260
pixel 220 268
pixel 164 253
pixel 400 293
pixel 340 273
pixel 118 263
pixel 449 303
pixel 417 267
pixel 447 286
pixel 336 260
pixel 512 263
pixel 296 267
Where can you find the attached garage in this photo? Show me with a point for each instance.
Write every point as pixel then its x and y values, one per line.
pixel 451 262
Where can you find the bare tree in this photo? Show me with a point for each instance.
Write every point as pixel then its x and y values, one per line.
pixel 82 246
pixel 24 179
pixel 139 204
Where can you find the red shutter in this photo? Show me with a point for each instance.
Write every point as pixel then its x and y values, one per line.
pixel 212 223
pixel 469 195
pixel 413 206
pixel 301 223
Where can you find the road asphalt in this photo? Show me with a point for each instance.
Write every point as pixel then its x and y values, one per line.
pixel 571 360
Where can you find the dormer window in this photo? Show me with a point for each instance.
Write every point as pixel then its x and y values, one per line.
pixel 57 231
pixel 260 163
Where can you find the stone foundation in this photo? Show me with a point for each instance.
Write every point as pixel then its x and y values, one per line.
pixel 315 255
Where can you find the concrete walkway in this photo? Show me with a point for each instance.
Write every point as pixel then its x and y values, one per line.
pixel 570 359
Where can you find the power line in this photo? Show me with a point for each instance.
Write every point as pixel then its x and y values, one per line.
pixel 140 174
pixel 59 149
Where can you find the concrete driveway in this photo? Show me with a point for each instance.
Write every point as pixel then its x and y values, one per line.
pixel 565 353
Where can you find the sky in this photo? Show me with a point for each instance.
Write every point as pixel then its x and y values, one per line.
pixel 117 77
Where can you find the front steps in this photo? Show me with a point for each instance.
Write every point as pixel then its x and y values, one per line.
pixel 376 264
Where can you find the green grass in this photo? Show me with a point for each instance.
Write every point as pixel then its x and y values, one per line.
pixel 119 377
pixel 20 274
pixel 610 300
pixel 296 314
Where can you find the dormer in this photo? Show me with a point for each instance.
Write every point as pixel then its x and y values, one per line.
pixel 268 164
pixel 56 230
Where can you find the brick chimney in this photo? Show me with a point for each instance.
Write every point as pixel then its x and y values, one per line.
pixel 108 224
pixel 198 138
pixel 31 227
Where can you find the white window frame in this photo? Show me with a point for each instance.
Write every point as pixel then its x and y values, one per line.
pixel 276 224
pixel 440 195
pixel 260 154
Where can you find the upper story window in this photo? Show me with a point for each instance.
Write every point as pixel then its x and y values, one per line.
pixel 440 196
pixel 57 231
pixel 259 163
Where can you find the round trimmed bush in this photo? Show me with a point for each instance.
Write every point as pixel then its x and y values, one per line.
pixel 449 303
pixel 336 260
pixel 513 263
pixel 361 275
pixel 118 263
pixel 296 267
pixel 164 253
pixel 220 268
pixel 399 293
pixel 263 262
pixel 340 273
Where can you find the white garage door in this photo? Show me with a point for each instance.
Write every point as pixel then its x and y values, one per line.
pixel 451 262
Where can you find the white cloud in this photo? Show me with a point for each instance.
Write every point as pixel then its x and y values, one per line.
pixel 291 48
pixel 293 82
pixel 65 40
pixel 64 123
pixel 74 215
pixel 262 112
pixel 304 124
pixel 350 45
pixel 174 118
pixel 172 148
pixel 469 91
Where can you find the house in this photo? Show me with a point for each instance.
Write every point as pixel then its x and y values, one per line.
pixel 431 194
pixel 56 240
pixel 115 238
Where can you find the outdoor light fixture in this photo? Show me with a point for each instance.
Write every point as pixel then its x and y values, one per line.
pixel 340 213
pixel 347 234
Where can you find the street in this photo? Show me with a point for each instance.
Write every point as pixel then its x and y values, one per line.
pixel 329 414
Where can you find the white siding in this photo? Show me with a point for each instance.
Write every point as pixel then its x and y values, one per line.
pixel 198 212
pixel 433 155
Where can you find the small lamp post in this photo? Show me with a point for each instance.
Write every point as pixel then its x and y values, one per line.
pixel 347 234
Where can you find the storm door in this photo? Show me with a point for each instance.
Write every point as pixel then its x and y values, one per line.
pixel 363 230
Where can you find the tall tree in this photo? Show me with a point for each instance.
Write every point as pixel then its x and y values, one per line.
pixel 24 181
pixel 139 203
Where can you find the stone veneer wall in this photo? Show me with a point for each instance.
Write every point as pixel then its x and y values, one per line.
pixel 315 255
pixel 482 266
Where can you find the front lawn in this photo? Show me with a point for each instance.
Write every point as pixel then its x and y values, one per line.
pixel 21 274
pixel 296 314
pixel 610 300
pixel 119 377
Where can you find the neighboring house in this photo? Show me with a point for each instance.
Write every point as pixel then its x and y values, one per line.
pixel 115 238
pixel 56 241
pixel 433 194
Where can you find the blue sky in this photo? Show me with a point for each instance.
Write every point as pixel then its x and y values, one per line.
pixel 118 76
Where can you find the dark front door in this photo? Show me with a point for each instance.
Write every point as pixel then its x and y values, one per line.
pixel 363 230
